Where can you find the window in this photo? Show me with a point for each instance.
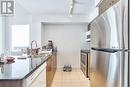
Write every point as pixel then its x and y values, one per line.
pixel 20 37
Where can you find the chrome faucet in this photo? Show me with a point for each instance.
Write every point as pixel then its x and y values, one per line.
pixel 34 51
pixel 32 44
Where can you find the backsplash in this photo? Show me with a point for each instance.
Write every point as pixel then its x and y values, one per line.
pixel 86 46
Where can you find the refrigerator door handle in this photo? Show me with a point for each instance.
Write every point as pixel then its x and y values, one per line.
pixel 110 50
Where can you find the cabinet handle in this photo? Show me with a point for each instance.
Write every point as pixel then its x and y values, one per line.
pixel 31 79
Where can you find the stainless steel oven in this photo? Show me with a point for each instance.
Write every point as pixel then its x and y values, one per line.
pixel 84 62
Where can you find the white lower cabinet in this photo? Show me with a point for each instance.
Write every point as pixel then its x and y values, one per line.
pixel 34 84
pixel 37 78
pixel 42 79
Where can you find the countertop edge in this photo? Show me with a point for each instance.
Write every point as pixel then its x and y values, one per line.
pixel 18 79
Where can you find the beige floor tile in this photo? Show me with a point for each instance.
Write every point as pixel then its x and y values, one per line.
pixel 66 85
pixel 83 79
pixel 57 77
pixel 57 73
pixel 75 81
pixel 57 81
pixel 66 80
pixel 66 77
pixel 56 85
pixel 75 78
pixel 76 84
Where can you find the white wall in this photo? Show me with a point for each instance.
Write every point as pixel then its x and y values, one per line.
pixel 85 45
pixel 1 35
pixel 68 38
pixel 94 14
pixel 67 18
pixel 21 17
pixel 36 29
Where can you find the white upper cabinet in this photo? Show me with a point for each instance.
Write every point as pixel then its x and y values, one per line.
pixel 97 2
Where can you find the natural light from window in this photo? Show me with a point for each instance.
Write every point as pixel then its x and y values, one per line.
pixel 20 36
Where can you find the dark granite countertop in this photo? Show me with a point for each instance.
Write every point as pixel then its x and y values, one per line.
pixel 21 68
pixel 85 51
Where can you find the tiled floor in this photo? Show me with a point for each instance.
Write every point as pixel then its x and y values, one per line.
pixel 70 79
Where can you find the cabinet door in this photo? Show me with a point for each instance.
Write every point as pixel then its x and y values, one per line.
pixel 37 78
pixel 55 61
pixel 42 79
pixel 49 72
pixel 51 68
pixel 35 83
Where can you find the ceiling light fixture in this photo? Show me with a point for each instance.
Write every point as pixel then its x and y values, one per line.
pixel 71 8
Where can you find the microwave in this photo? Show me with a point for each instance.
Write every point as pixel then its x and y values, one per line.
pixel 88 36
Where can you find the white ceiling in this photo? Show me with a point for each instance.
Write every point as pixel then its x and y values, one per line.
pixel 56 7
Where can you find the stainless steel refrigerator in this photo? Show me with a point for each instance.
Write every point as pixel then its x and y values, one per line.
pixel 109 47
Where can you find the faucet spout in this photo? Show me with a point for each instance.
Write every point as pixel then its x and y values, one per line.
pixel 34 50
pixel 33 42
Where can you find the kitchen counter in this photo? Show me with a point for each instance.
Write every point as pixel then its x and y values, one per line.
pixel 21 68
pixel 85 51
